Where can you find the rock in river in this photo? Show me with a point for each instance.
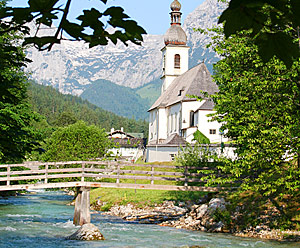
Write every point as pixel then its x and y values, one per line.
pixel 87 232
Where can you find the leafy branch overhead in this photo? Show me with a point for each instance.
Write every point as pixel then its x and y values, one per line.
pixel 270 23
pixel 89 26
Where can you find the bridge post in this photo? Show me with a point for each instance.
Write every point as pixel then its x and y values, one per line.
pixel 8 175
pixel 82 207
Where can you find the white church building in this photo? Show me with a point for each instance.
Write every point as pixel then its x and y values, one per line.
pixel 175 116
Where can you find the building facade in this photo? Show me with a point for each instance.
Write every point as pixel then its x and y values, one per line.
pixel 176 113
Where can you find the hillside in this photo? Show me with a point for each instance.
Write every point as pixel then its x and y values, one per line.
pixel 118 99
pixel 52 104
pixel 150 91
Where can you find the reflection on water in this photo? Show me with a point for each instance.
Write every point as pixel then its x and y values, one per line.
pixel 44 219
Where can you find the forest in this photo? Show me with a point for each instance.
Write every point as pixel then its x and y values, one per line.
pixel 60 110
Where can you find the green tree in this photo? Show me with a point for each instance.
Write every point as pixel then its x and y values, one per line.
pixel 77 142
pixel 44 12
pixel 17 135
pixel 266 20
pixel 259 105
pixel 65 118
pixel 200 138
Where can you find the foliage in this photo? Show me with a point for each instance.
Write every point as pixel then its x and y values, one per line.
pixel 91 27
pixel 266 20
pixel 65 118
pixel 77 142
pixel 60 109
pixel 18 137
pixel 140 197
pixel 118 99
pixel 192 155
pixel 200 138
pixel 258 104
pixel 150 91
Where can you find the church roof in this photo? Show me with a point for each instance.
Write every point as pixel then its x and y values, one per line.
pixel 190 83
pixel 175 35
pixel 173 140
pixel 207 105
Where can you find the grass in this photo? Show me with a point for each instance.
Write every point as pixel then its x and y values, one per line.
pixel 140 197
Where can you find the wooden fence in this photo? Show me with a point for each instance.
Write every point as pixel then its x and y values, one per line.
pixel 103 174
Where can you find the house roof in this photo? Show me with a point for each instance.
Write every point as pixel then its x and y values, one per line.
pixel 172 140
pixel 190 83
pixel 207 105
pixel 129 135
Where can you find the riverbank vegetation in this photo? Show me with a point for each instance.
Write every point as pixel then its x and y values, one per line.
pixel 140 197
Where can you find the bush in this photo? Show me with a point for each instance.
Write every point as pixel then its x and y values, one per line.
pixel 77 142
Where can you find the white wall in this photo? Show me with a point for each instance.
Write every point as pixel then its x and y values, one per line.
pixel 161 154
pixel 204 126
pixel 162 123
pixel 187 107
pixel 153 125
pixel 169 71
pixel 168 153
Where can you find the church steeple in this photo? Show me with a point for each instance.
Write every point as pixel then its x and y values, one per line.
pixel 175 14
pixel 175 52
pixel 175 34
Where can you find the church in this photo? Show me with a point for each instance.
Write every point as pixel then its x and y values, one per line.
pixel 176 116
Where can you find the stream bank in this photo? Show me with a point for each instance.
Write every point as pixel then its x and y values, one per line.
pixel 207 215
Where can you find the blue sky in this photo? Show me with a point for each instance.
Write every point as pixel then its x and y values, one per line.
pixel 152 15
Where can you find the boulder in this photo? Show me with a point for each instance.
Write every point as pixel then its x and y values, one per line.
pixel 87 232
pixel 216 203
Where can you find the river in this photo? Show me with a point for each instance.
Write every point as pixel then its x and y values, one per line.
pixel 44 220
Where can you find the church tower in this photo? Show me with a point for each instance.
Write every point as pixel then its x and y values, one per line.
pixel 175 52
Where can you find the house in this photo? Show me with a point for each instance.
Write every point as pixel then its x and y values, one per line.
pixel 128 146
pixel 176 115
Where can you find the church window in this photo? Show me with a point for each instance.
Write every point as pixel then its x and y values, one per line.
pixel 212 131
pixel 192 119
pixel 177 61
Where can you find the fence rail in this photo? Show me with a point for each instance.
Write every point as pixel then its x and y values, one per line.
pixel 103 174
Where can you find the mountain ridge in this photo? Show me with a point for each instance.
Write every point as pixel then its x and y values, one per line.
pixel 72 67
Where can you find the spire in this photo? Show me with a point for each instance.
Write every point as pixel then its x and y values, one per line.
pixel 175 14
pixel 175 34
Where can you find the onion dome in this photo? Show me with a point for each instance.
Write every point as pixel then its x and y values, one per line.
pixel 175 6
pixel 175 34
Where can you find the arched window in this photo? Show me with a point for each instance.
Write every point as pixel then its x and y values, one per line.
pixel 177 61
pixel 192 119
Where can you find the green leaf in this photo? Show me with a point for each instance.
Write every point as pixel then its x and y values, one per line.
pixel 90 18
pixel 41 42
pixel 277 44
pixel 73 29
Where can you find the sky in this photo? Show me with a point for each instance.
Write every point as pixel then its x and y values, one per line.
pixel 152 15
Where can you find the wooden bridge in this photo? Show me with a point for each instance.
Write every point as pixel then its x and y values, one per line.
pixel 91 174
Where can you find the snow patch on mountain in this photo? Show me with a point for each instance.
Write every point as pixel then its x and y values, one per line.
pixel 71 66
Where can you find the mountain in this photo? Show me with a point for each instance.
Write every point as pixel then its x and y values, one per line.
pixel 150 91
pixel 118 99
pixel 54 105
pixel 204 16
pixel 72 68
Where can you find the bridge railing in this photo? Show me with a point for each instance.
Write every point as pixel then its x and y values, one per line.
pixel 104 174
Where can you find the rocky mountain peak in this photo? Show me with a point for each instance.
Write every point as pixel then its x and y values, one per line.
pixel 71 66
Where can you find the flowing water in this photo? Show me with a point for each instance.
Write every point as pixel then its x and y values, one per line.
pixel 44 220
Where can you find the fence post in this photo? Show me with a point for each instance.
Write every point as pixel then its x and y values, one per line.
pixel 82 176
pixel 8 175
pixel 46 172
pixel 118 173
pixel 152 170
pixel 185 176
